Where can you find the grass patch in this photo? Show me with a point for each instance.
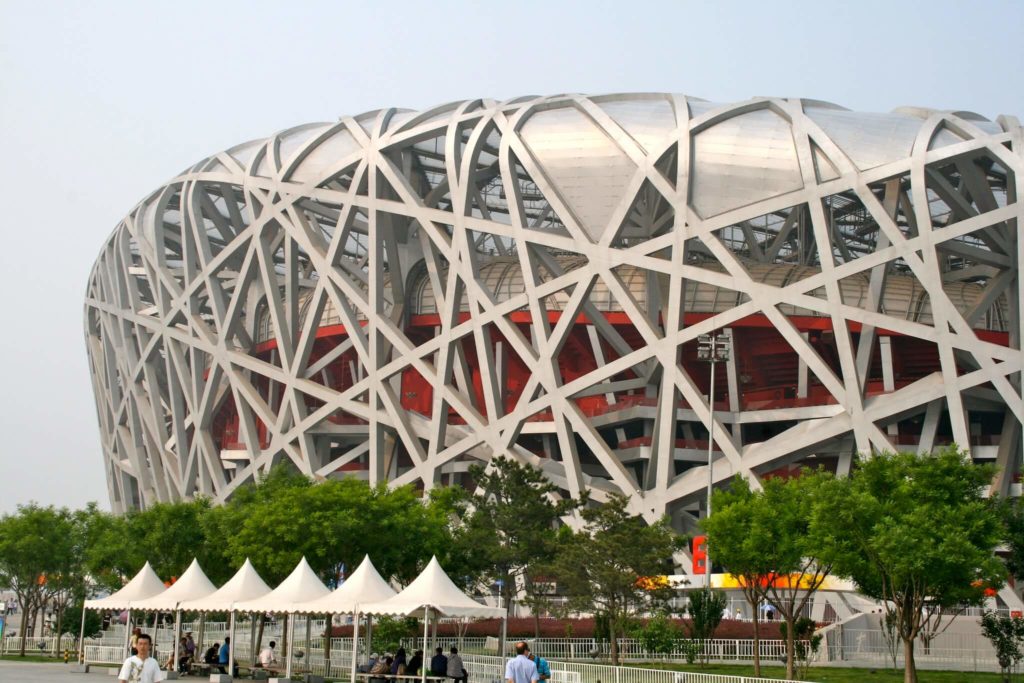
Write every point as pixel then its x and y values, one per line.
pixel 32 657
pixel 834 674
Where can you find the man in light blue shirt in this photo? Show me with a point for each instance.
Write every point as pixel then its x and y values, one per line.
pixel 520 669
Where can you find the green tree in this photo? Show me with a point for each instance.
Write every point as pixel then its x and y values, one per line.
pixel 705 609
pixel 170 535
pixel 511 529
pixel 1006 634
pixel 781 541
pixel 264 522
pixel 807 642
pixel 69 584
pixel 1013 517
pixel 740 548
pixel 918 533
pixel 73 621
pixel 334 523
pixel 36 550
pixel 109 556
pixel 388 632
pixel 603 566
pixel 660 634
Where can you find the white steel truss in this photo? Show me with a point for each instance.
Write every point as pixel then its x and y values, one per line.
pixel 401 293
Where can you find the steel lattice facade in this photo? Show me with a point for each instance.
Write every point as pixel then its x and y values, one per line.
pixel 399 294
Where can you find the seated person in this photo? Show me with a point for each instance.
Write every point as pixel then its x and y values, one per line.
pixel 366 668
pixel 184 657
pixel 456 669
pixel 383 666
pixel 267 658
pixel 210 657
pixel 439 663
pixel 414 665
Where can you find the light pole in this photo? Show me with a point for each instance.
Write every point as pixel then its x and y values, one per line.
pixel 711 348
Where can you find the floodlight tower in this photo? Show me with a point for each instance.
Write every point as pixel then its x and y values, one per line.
pixel 711 348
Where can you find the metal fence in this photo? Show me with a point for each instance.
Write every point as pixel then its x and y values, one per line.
pixel 960 651
pixel 488 669
pixel 34 645
pixel 630 649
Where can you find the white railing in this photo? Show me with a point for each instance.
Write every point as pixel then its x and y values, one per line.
pixel 104 654
pixel 630 649
pixel 41 644
pixel 959 651
pixel 487 669
pixel 481 668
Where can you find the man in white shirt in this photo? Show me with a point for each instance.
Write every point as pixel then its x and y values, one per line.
pixel 521 669
pixel 267 656
pixel 141 668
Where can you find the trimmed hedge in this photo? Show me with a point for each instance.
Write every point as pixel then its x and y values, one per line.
pixel 581 628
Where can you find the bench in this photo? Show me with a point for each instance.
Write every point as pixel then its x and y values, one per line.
pixel 264 673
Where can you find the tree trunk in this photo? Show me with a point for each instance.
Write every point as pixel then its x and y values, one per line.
pixel 757 645
pixel 909 667
pixel 536 623
pixel 285 652
pixel 790 648
pixel 614 645
pixel 60 629
pixel 26 622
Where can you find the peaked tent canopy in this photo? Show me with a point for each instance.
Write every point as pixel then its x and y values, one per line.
pixel 144 585
pixel 302 585
pixel 432 590
pixel 246 584
pixel 365 585
pixel 192 585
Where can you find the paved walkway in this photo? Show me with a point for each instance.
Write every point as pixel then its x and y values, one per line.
pixel 16 672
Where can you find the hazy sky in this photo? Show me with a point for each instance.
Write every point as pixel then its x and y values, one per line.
pixel 101 102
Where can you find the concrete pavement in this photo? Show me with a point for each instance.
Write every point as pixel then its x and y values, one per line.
pixel 17 672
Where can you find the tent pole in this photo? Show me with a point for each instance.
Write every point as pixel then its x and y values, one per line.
pixel 426 622
pixel 328 634
pixel 231 646
pixel 128 633
pixel 368 645
pixel 202 632
pixel 81 639
pixel 355 644
pixel 309 650
pixel 252 639
pixel 291 645
pixel 177 640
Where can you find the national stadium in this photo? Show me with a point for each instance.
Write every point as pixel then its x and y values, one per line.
pixel 397 295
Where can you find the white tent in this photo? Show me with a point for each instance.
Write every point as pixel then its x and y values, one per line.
pixel 302 585
pixel 192 585
pixel 145 584
pixel 432 593
pixel 432 590
pixel 363 586
pixel 246 584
